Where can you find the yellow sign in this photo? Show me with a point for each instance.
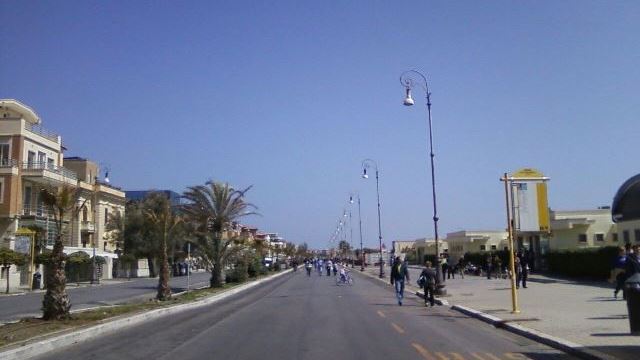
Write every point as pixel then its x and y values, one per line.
pixel 527 173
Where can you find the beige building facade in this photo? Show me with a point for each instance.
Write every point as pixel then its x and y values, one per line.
pixel 32 158
pixel 475 241
pixel 580 229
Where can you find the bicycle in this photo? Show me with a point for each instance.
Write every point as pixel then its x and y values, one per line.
pixel 348 280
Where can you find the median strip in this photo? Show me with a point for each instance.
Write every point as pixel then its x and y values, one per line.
pixel 32 337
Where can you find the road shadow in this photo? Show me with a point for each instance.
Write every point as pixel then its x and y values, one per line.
pixel 396 305
pixel 612 317
pixel 603 299
pixel 622 352
pixel 547 356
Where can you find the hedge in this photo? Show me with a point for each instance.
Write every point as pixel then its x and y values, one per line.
pixel 585 263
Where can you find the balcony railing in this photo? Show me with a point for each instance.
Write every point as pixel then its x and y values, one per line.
pixel 39 130
pixel 38 210
pixel 8 163
pixel 40 165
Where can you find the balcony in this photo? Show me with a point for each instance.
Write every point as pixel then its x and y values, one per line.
pixel 36 211
pixel 87 227
pixel 49 173
pixel 8 166
pixel 39 130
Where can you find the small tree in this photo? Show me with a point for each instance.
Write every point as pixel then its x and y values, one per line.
pixel 9 257
pixel 60 201
pixel 164 223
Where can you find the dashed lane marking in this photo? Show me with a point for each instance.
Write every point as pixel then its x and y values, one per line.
pixel 398 328
pixel 454 356
pixel 423 352
pixel 381 314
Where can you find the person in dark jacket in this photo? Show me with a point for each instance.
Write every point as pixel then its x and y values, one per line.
pixel 399 272
pixel 428 276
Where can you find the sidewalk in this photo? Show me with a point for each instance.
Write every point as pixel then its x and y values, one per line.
pixel 584 313
pixel 70 285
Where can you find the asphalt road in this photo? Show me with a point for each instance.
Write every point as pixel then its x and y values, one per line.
pixel 29 305
pixel 300 317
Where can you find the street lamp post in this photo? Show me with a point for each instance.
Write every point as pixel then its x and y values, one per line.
pixel 366 163
pixel 409 79
pixel 360 225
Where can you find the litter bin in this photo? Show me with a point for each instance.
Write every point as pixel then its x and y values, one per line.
pixel 36 281
pixel 632 292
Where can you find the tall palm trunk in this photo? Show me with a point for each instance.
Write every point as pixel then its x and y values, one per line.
pixel 56 302
pixel 217 278
pixel 164 291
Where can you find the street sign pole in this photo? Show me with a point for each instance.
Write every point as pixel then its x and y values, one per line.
pixel 512 267
pixel 188 264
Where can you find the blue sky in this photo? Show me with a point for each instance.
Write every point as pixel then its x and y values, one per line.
pixel 291 96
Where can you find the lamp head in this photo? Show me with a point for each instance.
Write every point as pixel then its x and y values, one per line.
pixel 408 100
pixel 364 173
pixel 350 199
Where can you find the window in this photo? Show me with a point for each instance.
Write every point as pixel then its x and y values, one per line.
pixel 50 164
pixel 4 154
pixel 506 248
pixel 582 238
pixel 85 214
pixel 625 236
pixel 1 191
pixel 106 216
pixel 637 234
pixel 614 237
pixel 31 159
pixel 494 247
pixel 42 159
pixel 599 237
pixel 483 247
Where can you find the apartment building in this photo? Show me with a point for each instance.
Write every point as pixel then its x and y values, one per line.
pixel 32 158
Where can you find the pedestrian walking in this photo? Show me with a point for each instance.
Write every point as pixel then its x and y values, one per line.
pixel 518 268
pixel 497 266
pixel 524 264
pixel 460 267
pixel 427 281
pixel 489 266
pixel 632 264
pixel 307 266
pixel 618 275
pixel 399 272
pixel 329 267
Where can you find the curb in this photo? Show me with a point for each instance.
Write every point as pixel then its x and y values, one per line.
pixel 54 343
pixel 567 346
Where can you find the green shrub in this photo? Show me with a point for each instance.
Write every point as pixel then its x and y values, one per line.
pixel 238 274
pixel 585 263
pixel 256 268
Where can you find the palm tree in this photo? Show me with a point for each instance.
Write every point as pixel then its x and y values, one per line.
pixel 56 304
pixel 164 223
pixel 212 208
